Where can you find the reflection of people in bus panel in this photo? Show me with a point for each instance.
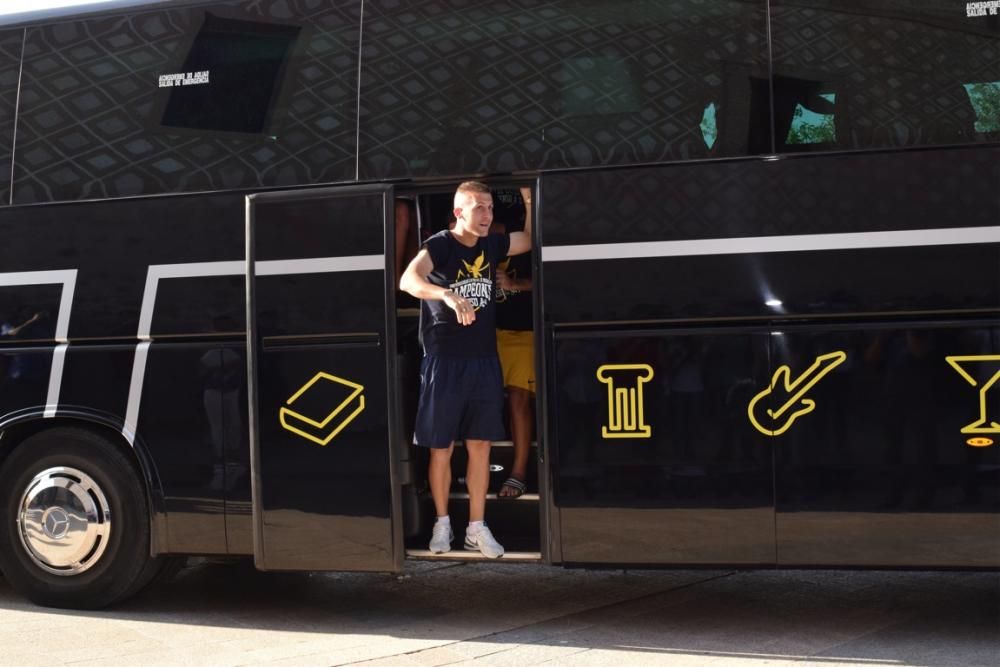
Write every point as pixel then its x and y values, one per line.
pixel 461 392
pixel 219 369
pixel 23 326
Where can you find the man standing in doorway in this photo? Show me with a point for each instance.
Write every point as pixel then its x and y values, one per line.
pixel 461 387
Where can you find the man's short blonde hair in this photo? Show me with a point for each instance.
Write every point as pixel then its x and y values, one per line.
pixel 470 188
pixel 473 186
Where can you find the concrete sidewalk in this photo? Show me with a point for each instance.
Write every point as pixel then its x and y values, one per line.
pixel 497 614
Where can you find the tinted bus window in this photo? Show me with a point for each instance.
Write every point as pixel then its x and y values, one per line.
pixel 457 86
pixel 10 62
pixel 884 74
pixel 247 59
pixel 195 98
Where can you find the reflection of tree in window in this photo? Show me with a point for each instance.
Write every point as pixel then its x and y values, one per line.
pixel 709 126
pixel 810 127
pixel 804 111
pixel 985 99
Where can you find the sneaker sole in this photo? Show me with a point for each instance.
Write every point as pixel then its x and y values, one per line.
pixel 473 547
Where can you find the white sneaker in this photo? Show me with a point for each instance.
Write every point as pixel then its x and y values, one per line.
pixel 484 543
pixel 441 538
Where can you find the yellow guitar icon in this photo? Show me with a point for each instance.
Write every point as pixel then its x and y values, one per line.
pixel 791 393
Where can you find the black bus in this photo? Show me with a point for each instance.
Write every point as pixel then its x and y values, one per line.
pixel 766 280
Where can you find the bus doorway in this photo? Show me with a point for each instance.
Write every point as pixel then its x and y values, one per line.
pixel 322 417
pixel 514 513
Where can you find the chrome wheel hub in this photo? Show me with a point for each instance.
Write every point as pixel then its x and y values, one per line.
pixel 64 521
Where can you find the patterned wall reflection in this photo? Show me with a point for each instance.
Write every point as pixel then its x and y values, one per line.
pixel 883 74
pixel 97 121
pixel 457 86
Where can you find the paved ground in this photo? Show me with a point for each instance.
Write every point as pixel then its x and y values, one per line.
pixel 443 614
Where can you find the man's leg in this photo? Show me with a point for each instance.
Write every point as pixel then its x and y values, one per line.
pixel 520 430
pixel 439 476
pixel 477 477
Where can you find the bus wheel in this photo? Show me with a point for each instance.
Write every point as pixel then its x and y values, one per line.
pixel 74 523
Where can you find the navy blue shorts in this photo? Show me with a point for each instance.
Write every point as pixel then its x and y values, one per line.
pixel 460 399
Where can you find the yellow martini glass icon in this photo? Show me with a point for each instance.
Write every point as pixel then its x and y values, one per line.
pixel 984 425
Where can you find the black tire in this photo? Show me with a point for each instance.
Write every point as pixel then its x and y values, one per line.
pixel 125 564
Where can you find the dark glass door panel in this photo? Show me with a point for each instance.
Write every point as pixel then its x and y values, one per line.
pixel 880 472
pixel 654 458
pixel 320 455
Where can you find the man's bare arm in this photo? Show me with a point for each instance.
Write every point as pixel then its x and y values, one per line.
pixel 520 242
pixel 508 284
pixel 414 281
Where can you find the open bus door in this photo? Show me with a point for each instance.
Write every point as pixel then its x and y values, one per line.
pixel 321 358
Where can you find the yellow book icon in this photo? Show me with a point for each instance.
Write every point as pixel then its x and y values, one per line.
pixel 313 418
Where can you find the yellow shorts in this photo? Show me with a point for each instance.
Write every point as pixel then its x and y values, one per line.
pixel 517 358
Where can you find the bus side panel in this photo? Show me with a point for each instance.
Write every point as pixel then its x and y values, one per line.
pixel 881 472
pixel 859 192
pixel 10 68
pixel 853 229
pixel 868 282
pixel 653 460
pixel 185 419
pixel 706 254
pixel 180 260
pixel 24 375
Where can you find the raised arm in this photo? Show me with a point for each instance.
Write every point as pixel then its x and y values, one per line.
pixel 520 242
pixel 414 281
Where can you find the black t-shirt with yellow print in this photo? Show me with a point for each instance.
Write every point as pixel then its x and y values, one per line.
pixel 469 272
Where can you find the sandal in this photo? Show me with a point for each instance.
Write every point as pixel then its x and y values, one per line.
pixel 517 486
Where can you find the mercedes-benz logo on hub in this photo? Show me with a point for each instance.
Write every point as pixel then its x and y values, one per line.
pixel 56 523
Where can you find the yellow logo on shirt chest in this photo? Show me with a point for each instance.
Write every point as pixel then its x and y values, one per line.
pixel 480 268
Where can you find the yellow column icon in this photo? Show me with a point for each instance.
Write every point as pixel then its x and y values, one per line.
pixel 625 403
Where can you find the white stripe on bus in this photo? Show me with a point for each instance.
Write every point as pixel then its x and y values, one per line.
pixel 158 272
pixel 55 380
pixel 66 278
pixel 762 244
pixel 284 267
